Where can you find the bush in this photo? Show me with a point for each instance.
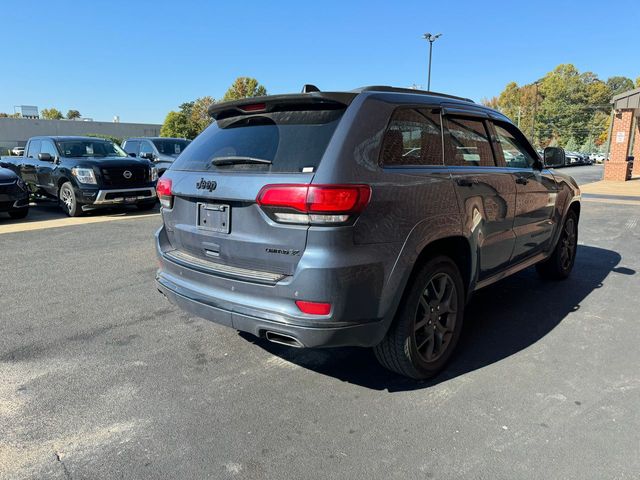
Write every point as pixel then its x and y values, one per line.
pixel 116 140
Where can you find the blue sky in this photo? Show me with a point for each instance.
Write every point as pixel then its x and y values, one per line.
pixel 140 59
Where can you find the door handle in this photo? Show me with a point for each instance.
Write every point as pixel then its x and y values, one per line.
pixel 522 181
pixel 466 182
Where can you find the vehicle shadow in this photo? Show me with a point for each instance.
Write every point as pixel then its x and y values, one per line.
pixel 501 320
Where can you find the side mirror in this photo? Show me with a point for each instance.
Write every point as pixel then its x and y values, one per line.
pixel 147 155
pixel 132 154
pixel 45 157
pixel 554 157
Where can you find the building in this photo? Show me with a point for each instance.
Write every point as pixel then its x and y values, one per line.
pixel 624 137
pixel 14 132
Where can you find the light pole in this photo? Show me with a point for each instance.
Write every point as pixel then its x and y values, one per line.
pixel 430 38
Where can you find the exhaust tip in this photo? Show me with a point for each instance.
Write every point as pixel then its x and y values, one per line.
pixel 283 339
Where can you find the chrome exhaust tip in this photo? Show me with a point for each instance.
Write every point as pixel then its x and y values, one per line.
pixel 283 339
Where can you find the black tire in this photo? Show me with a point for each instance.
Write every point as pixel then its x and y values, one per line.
pixel 19 213
pixel 145 206
pixel 559 265
pixel 420 319
pixel 68 201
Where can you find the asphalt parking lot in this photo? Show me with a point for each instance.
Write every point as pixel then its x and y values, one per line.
pixel 102 378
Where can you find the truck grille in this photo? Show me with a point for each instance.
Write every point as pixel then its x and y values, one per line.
pixel 115 176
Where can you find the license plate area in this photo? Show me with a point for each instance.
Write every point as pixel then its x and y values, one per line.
pixel 214 217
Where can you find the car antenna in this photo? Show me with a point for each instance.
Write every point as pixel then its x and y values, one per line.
pixel 308 88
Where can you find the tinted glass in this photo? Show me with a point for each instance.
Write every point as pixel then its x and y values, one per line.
pixel 89 148
pixel 34 148
pixel 468 143
pixel 131 146
pixel 291 141
pixel 47 147
pixel 145 147
pixel 516 155
pixel 414 137
pixel 171 147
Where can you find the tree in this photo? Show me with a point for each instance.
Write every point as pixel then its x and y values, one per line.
pixel 116 140
pixel 572 145
pixel 638 82
pixel 71 114
pixel 176 124
pixel 589 146
pixel 199 117
pixel 244 87
pixel 619 84
pixel 51 114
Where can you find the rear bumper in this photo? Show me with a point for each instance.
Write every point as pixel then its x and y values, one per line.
pixel 259 308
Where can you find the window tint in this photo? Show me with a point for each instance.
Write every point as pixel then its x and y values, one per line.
pixel 145 147
pixel 414 137
pixel 516 155
pixel 47 147
pixel 131 146
pixel 468 143
pixel 171 147
pixel 34 149
pixel 293 141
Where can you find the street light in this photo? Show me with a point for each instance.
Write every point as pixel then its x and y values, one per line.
pixel 430 38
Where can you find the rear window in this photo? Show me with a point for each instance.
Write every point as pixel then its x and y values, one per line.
pixel 292 141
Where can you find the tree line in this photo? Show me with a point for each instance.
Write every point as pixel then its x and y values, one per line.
pixel 48 114
pixel 191 118
pixel 564 108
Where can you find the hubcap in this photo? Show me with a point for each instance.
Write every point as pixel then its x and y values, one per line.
pixel 436 317
pixel 67 198
pixel 568 244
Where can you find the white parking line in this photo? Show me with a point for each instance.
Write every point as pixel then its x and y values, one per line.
pixel 67 222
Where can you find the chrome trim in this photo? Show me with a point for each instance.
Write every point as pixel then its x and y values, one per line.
pixel 215 268
pixel 101 197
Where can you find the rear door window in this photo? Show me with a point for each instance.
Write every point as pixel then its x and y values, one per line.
pixel 468 143
pixel 289 141
pixel 413 138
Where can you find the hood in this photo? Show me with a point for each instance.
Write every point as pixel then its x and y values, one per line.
pixel 6 175
pixel 105 162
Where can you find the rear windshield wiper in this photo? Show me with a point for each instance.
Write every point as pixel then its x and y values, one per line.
pixel 239 160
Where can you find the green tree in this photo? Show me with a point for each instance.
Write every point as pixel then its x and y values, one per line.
pixel 176 124
pixel 244 87
pixel 51 114
pixel 589 145
pixel 619 84
pixel 116 140
pixel 638 82
pixel 199 113
pixel 71 114
pixel 572 145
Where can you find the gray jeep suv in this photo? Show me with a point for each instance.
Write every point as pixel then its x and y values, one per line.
pixel 362 218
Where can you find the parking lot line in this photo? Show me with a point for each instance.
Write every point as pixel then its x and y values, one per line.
pixel 67 222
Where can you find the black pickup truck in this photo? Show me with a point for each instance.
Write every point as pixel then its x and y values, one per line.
pixel 84 173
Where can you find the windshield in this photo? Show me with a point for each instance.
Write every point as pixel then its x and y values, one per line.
pixel 170 146
pixel 89 148
pixel 292 141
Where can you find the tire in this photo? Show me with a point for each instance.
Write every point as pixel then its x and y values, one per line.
pixel 559 265
pixel 19 213
pixel 418 343
pixel 68 201
pixel 145 206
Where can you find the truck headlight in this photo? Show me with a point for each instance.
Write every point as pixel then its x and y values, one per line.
pixel 154 174
pixel 84 175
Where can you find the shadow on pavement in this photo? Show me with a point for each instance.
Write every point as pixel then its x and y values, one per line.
pixel 500 320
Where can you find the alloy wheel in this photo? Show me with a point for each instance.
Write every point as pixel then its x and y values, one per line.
pixel 568 244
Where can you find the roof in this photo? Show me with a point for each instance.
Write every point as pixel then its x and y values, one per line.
pixel 630 99
pixel 155 138
pixel 70 137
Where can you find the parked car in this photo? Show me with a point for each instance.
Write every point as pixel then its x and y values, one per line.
pixel 84 173
pixel 301 219
pixel 17 151
pixel 160 150
pixel 14 196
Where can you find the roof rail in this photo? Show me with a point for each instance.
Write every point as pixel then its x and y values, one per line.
pixel 386 88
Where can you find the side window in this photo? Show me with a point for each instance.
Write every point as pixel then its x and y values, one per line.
pixel 414 137
pixel 468 143
pixel 145 147
pixel 34 149
pixel 515 153
pixel 47 147
pixel 131 146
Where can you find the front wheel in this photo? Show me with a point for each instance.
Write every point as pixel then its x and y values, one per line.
pixel 559 265
pixel 68 200
pixel 428 324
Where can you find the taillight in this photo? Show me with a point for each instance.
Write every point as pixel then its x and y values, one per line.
pixel 314 204
pixel 163 189
pixel 314 308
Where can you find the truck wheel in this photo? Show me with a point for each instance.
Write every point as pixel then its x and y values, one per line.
pixel 428 324
pixel 19 213
pixel 68 201
pixel 559 265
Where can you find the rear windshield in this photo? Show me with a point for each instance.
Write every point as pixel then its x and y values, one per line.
pixel 171 147
pixel 292 141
